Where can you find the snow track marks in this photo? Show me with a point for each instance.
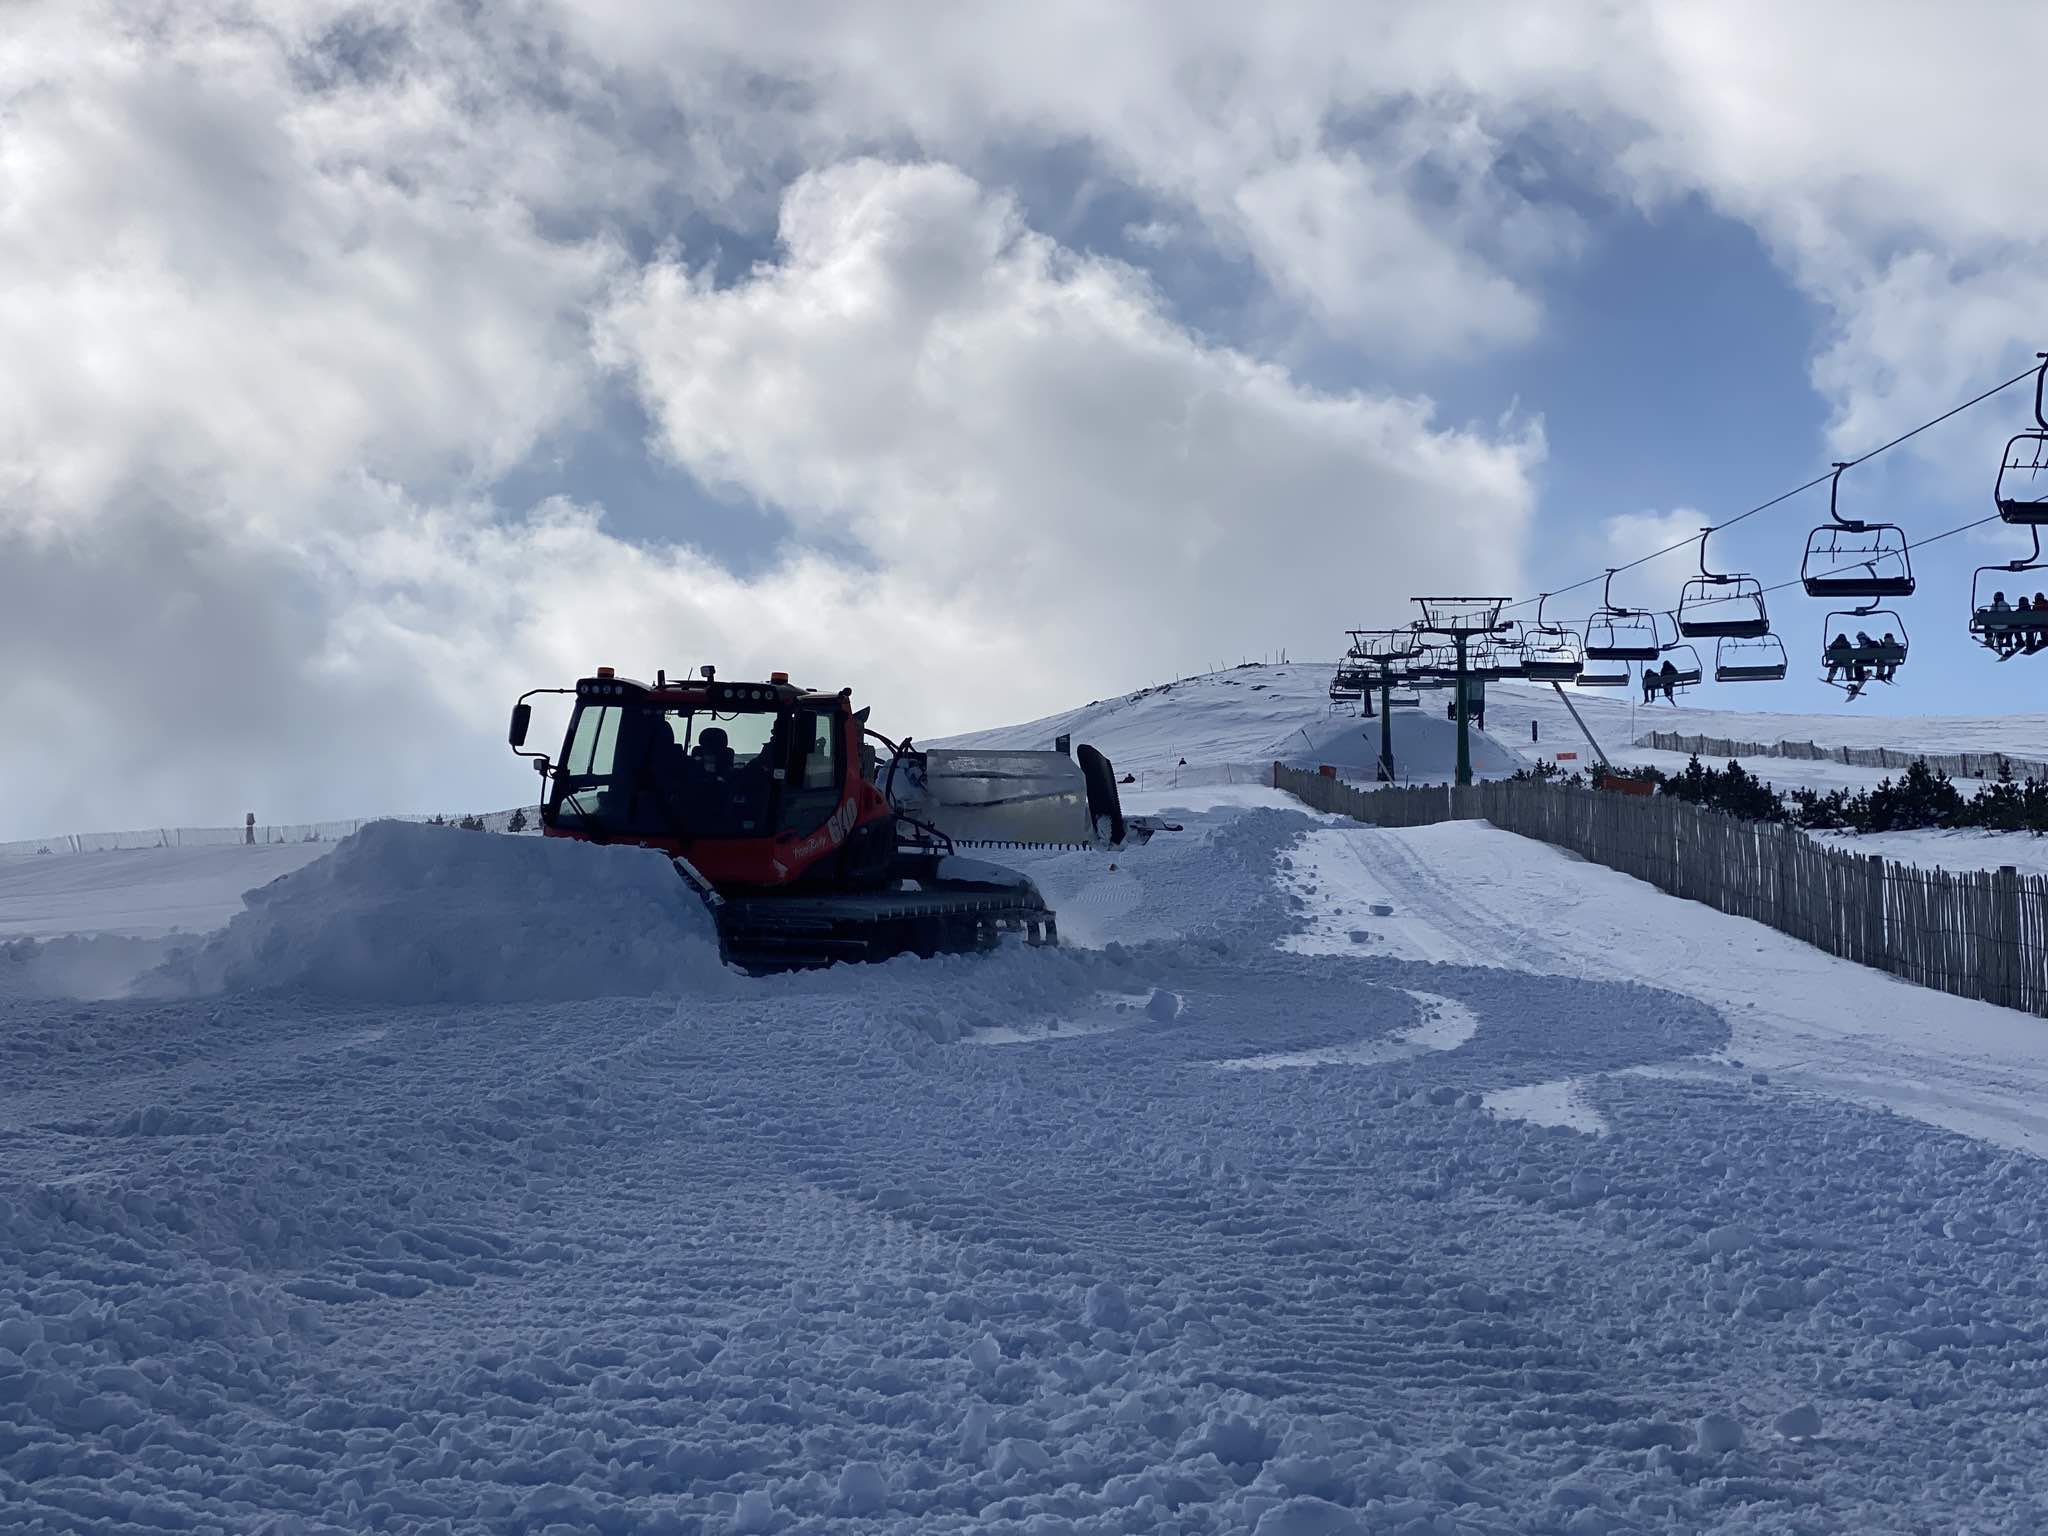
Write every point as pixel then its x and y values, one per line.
pixel 789 1260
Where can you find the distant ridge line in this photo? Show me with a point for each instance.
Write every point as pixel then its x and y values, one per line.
pixel 261 835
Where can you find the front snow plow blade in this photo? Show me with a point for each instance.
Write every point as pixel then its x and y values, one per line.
pixel 1010 799
pixel 995 797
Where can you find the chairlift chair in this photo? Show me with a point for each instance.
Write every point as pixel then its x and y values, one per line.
pixel 1686 671
pixel 2003 626
pixel 1851 558
pixel 1509 651
pixel 1750 659
pixel 1441 663
pixel 2022 493
pixel 1496 658
pixel 1386 645
pixel 1604 674
pixel 1859 664
pixel 1712 606
pixel 1551 653
pixel 1620 634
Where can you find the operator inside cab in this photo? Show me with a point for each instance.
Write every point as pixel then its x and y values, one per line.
pixel 720 793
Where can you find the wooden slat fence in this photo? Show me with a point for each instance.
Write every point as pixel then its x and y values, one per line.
pixel 1959 765
pixel 1975 933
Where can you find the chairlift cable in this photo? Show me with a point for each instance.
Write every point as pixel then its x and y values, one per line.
pixel 1799 490
pixel 1932 538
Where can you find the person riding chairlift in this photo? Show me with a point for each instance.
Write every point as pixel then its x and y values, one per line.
pixel 2037 632
pixel 1836 655
pixel 1887 668
pixel 2004 641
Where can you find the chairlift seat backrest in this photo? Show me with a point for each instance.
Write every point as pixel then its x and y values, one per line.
pixel 1622 637
pixel 1877 654
pixel 1722 607
pixel 1731 628
pixel 1848 557
pixel 2009 618
pixel 1750 660
pixel 1860 582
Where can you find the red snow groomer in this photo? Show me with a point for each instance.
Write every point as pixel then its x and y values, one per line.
pixel 807 843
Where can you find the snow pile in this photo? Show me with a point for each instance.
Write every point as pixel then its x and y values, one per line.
pixel 1425 748
pixel 401 913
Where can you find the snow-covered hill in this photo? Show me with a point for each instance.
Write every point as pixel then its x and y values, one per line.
pixel 1247 713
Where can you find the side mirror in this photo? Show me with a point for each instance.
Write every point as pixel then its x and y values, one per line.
pixel 522 717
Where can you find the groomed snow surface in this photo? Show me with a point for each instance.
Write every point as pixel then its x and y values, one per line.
pixel 1328 1180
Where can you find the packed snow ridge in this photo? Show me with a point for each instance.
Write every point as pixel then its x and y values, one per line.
pixel 406 913
pixel 435 1195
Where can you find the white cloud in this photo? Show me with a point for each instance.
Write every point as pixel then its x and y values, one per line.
pixel 1369 160
pixel 214 293
pixel 271 337
pixel 1018 436
pixel 1630 536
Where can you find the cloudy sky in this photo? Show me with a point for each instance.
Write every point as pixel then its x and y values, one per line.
pixel 363 364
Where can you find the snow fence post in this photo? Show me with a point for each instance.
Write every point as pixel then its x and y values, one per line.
pixel 2005 886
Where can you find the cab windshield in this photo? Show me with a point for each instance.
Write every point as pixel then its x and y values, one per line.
pixel 638 770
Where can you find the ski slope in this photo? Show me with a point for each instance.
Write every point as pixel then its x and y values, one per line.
pixel 1327 1179
pixel 141 893
pixel 1250 715
pixel 1231 726
pixel 1238 714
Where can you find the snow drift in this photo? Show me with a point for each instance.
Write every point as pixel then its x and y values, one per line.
pixel 82 966
pixel 1425 748
pixel 402 913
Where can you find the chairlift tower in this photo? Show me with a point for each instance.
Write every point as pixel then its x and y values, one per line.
pixel 1459 619
pixel 1383 650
